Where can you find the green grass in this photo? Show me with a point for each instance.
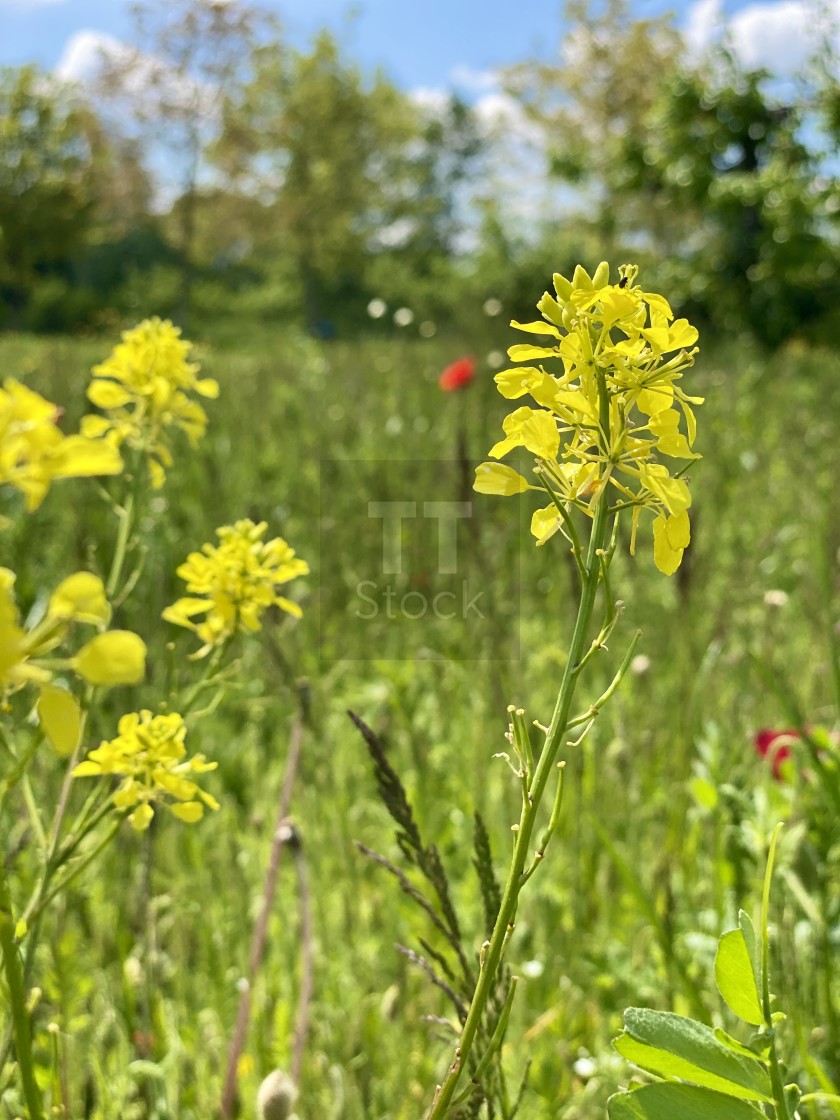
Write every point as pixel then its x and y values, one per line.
pixel 642 876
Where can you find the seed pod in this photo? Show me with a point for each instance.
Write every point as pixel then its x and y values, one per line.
pixel 276 1096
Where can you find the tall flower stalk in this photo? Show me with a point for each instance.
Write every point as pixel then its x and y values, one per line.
pixel 603 424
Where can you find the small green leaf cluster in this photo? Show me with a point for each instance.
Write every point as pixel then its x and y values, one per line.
pixel 703 1072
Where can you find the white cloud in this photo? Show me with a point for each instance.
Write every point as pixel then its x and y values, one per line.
pixel 501 115
pixel 777 35
pixel 703 24
pixel 476 81
pixel 87 53
pixel 433 101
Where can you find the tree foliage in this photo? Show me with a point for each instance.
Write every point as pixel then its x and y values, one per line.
pixel 47 185
pixel 216 165
pixel 326 150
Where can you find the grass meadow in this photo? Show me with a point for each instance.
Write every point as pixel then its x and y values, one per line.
pixel 668 806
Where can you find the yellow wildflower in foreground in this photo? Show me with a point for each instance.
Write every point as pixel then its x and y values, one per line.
pixel 31 657
pixel 34 450
pixel 143 390
pixel 27 656
pixel 150 756
pixel 233 583
pixel 610 416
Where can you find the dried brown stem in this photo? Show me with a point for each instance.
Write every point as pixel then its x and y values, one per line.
pixel 282 834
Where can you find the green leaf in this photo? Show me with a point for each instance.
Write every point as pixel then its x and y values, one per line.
pixel 673 1046
pixel 670 1101
pixel 746 927
pixel 733 1043
pixel 704 792
pixel 735 977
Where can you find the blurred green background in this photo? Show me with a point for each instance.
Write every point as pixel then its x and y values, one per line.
pixel 332 244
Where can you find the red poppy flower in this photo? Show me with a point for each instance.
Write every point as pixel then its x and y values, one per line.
pixel 458 375
pixel 775 747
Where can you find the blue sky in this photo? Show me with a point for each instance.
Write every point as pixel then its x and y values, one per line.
pixel 420 43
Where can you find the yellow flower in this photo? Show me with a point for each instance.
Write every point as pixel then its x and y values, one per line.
pixel 233 583
pixel 81 597
pixel 143 390
pixel 29 657
pixel 16 645
pixel 34 451
pixel 610 413
pixel 118 657
pixel 150 756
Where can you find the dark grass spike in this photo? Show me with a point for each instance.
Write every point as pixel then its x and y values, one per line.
pixel 424 965
pixel 432 868
pixel 392 792
pixel 471 1109
pixel 413 892
pixel 441 962
pixel 491 895
pixel 439 1021
pixel 427 860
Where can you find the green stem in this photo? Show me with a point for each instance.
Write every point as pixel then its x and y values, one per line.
pixel 545 767
pixel 493 1047
pixel 126 519
pixel 782 1111
pixel 17 995
pixel 84 861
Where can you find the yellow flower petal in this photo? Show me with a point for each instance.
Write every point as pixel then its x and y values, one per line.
pixel 87 769
pixel 545 523
pixel 118 657
pixel 539 326
pixel 288 606
pixel 671 536
pixel 189 811
pixel 670 440
pixel 60 717
pixel 672 492
pixel 107 394
pixel 81 597
pixel 141 818
pixel 80 457
pixel 207 387
pixel 496 478
pixel 524 352
pixel 540 435
pixel 516 382
pixel 182 610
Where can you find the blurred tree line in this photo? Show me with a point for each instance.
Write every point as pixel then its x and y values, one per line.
pixel 212 172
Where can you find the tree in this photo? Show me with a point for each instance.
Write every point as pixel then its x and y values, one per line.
pixel 446 156
pixel 755 204
pixel 328 153
pixel 594 102
pixel 186 58
pixel 47 182
pixel 694 166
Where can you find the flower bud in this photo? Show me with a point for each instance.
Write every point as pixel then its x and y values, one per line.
pixel 276 1096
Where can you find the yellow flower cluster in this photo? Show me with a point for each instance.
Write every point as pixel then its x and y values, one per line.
pixel 150 756
pixel 233 583
pixel 143 390
pixel 34 451
pixel 28 657
pixel 611 415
